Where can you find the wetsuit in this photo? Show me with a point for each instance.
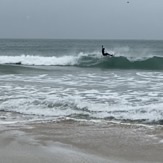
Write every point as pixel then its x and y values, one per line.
pixel 103 52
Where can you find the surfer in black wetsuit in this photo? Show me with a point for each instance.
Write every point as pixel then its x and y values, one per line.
pixel 105 54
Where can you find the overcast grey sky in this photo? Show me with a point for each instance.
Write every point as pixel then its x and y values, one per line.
pixel 81 19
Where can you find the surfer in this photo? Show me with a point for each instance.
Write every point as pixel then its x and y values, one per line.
pixel 105 54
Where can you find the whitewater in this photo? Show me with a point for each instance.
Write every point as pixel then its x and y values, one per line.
pixel 55 80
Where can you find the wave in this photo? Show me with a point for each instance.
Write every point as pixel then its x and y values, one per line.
pixel 154 63
pixel 87 60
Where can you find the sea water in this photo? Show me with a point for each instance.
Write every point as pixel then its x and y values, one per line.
pixel 56 80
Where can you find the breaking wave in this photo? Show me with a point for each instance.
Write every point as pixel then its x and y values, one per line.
pixel 87 60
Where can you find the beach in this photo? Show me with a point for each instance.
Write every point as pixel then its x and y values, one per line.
pixel 80 142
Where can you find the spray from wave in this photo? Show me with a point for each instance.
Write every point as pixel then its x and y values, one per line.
pixel 87 60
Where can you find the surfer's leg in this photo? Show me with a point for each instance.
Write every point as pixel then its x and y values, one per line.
pixel 109 54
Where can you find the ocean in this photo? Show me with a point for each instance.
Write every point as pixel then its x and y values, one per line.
pixel 54 80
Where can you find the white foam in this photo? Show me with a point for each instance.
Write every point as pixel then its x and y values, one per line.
pixel 65 60
pixel 39 60
pixel 124 98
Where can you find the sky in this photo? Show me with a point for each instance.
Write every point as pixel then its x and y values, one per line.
pixel 82 19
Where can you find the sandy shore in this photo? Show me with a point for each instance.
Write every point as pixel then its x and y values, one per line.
pixel 74 142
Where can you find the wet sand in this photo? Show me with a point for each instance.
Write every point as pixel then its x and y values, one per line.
pixel 74 142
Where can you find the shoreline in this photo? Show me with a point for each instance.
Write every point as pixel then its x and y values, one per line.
pixel 79 142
